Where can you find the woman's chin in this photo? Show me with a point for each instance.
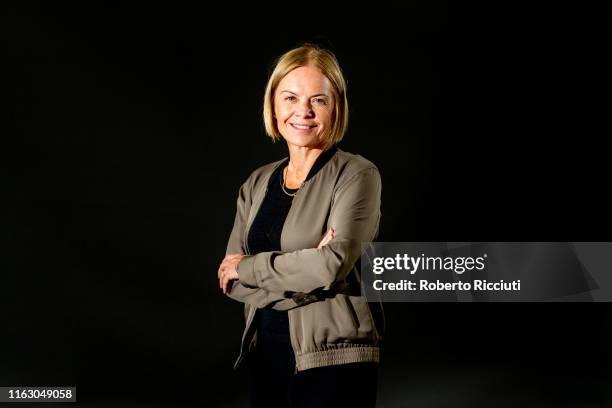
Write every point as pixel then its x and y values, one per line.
pixel 301 141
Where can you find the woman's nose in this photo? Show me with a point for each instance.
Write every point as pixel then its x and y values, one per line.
pixel 304 109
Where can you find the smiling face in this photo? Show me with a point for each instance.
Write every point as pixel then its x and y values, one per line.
pixel 304 107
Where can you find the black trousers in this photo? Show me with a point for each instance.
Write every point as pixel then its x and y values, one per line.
pixel 273 383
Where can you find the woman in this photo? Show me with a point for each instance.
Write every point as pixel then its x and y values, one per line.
pixel 311 339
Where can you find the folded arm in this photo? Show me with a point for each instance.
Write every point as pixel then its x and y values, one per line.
pixel 354 216
pixel 256 297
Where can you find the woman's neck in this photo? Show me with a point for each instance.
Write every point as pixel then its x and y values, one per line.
pixel 301 160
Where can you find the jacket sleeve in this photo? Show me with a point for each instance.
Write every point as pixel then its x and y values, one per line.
pixel 355 215
pixel 257 297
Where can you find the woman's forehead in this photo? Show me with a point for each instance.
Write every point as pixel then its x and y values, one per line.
pixel 305 79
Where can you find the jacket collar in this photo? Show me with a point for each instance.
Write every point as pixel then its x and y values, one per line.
pixel 318 164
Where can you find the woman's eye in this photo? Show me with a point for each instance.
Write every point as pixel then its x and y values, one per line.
pixel 290 98
pixel 320 101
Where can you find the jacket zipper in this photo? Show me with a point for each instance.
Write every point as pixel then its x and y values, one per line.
pixel 249 221
pixel 252 213
pixel 246 331
pixel 246 244
pixel 293 345
pixel 291 336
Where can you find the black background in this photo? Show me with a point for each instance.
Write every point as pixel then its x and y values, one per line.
pixel 136 124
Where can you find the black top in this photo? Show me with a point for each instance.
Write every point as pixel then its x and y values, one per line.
pixel 264 236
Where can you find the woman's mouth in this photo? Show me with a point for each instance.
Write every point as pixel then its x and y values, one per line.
pixel 302 127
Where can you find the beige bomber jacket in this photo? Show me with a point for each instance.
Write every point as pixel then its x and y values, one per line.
pixel 330 322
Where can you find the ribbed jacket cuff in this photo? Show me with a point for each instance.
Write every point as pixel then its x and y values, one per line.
pixel 246 271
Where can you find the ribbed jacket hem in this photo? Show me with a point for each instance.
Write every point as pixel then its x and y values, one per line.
pixel 347 355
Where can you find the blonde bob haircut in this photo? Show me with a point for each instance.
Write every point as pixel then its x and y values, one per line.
pixel 309 55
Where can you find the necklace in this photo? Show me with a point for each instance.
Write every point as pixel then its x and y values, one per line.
pixel 283 184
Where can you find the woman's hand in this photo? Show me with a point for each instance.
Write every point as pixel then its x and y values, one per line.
pixel 227 271
pixel 329 235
